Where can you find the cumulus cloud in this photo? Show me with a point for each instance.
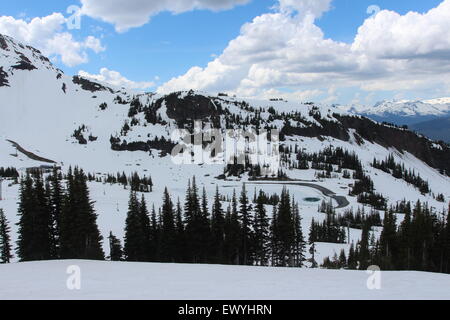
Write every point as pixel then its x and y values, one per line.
pixel 116 79
pixel 286 49
pixel 47 34
pixel 135 13
pixel 390 35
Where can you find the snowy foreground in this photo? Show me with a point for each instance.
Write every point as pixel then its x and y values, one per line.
pixel 142 281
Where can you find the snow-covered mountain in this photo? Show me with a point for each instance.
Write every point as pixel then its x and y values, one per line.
pixel 415 114
pixel 404 108
pixel 76 121
pixel 49 117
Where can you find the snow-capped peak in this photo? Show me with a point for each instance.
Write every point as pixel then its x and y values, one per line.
pixel 17 56
pixel 407 108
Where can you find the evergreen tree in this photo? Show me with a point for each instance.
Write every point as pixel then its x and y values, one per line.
pixel 154 237
pixel 388 241
pixel 180 241
pixel 342 260
pixel 80 236
pixel 275 243
pixel 246 232
pixel 192 214
pixel 261 228
pixel 56 205
pixel 115 248
pixel 135 236
pixel 205 228
pixel 352 262
pixel 285 231
pixel 217 230
pixel 363 248
pixel 300 244
pixel 34 242
pixel 232 233
pixel 168 233
pixel 5 240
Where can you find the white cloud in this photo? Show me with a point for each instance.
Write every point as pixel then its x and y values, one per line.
pixel 305 7
pixel 47 34
pixel 390 35
pixel 135 13
pixel 287 50
pixel 116 79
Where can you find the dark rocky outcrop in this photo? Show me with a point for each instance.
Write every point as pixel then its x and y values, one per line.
pixel 163 145
pixel 185 109
pixel 3 43
pixel 90 85
pixel 24 63
pixel 328 128
pixel 3 78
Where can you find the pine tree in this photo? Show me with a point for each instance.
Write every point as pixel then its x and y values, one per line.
pixel 135 237
pixel 388 241
pixel 154 237
pixel 168 233
pixel 78 215
pixel 405 241
pixel 274 242
pixel 217 230
pixel 34 241
pixel 363 248
pixel 56 204
pixel 261 228
pixel 342 260
pixel 300 244
pixel 146 228
pixel 246 232
pixel 180 241
pixel 352 262
pixel 191 213
pixel 232 233
pixel 80 236
pixel 286 230
pixel 205 228
pixel 115 248
pixel 5 240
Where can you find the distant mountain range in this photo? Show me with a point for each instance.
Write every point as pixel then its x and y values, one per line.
pixel 438 129
pixel 429 117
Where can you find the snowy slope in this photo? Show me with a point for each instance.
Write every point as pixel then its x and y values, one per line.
pixel 141 281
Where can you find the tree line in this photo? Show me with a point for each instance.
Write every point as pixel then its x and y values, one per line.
pixel 241 234
pixel 420 242
pixel 399 171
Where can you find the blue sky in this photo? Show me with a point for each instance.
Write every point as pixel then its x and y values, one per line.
pixel 169 45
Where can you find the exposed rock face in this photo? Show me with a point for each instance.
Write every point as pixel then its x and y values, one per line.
pixel 312 130
pixel 3 43
pixel 3 78
pixel 194 107
pixel 89 85
pixel 24 63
